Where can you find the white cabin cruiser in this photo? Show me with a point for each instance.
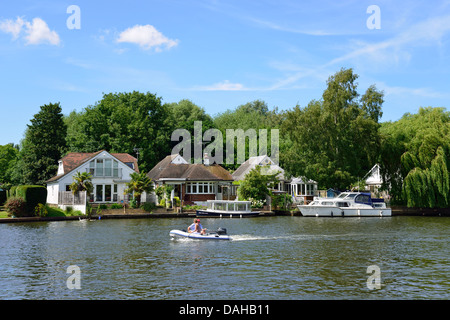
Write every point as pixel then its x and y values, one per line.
pixel 347 204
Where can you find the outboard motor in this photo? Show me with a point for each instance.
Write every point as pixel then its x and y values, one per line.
pixel 221 231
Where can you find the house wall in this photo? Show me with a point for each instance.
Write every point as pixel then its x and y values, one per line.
pixel 99 183
pixel 52 193
pixel 190 199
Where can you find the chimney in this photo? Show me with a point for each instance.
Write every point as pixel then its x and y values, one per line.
pixel 206 159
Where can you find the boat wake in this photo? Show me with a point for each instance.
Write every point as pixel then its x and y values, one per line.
pixel 248 237
pixel 293 237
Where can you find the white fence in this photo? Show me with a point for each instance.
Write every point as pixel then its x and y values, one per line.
pixel 76 201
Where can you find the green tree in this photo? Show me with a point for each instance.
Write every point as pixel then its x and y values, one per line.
pixel 256 184
pixel 43 145
pixel 252 115
pixel 123 122
pixel 8 157
pixel 335 140
pixel 184 114
pixel 415 158
pixel 139 184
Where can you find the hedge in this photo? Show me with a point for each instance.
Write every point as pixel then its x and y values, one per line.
pixel 33 195
pixel 2 197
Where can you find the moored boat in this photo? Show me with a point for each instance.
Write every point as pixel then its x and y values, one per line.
pixel 347 204
pixel 227 209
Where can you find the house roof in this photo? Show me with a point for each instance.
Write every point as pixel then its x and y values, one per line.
pixel 73 160
pixel 252 162
pixel 165 169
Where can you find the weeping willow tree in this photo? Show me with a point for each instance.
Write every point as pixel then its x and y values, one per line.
pixel 422 147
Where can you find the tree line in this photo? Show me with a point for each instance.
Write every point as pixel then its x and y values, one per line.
pixel 334 140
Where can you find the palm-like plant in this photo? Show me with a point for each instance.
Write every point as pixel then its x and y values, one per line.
pixel 139 184
pixel 82 181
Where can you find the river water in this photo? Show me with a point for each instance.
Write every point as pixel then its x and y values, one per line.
pixel 268 258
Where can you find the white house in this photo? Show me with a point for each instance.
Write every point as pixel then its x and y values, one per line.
pixel 301 189
pixel 110 172
pixel 373 179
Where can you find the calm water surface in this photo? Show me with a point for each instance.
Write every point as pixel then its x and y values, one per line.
pixel 268 258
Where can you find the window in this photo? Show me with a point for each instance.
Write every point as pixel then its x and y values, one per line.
pixel 130 164
pixel 104 168
pixel 362 198
pixel 200 187
pixel 99 193
pixel 108 167
pixel 115 197
pixel 99 168
pixel 115 169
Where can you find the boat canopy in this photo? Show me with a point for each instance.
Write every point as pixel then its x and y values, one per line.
pixel 358 197
pixel 228 205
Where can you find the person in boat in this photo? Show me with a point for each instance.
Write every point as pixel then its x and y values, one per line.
pixel 196 227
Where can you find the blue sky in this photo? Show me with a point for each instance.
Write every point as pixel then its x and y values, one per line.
pixel 219 54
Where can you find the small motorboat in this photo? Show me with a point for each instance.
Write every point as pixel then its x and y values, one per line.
pixel 220 234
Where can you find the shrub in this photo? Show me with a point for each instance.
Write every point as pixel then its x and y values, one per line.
pixel 54 212
pixel 40 210
pixel 2 197
pixel 148 206
pixel 103 206
pixel 133 203
pixel 33 195
pixel 177 201
pixel 116 206
pixel 162 203
pixel 16 206
pixel 12 192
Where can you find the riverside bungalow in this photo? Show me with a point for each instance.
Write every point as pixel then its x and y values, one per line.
pixel 192 183
pixel 110 172
pixel 301 189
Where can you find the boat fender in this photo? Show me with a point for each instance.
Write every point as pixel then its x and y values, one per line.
pixel 331 212
pixel 342 213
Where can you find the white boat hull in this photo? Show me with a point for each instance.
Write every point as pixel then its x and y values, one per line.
pixel 332 211
pixel 208 236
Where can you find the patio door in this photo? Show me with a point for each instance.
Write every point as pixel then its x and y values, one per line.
pixel 99 193
pixel 219 194
pixel 104 193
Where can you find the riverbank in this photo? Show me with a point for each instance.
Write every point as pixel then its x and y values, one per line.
pixel 114 214
pixel 139 214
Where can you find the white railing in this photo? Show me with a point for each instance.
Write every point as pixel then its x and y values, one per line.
pixel 117 173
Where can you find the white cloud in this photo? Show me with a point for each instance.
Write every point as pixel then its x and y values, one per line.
pixel 146 37
pixel 222 86
pixel 39 32
pixel 13 27
pixel 407 92
pixel 36 32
